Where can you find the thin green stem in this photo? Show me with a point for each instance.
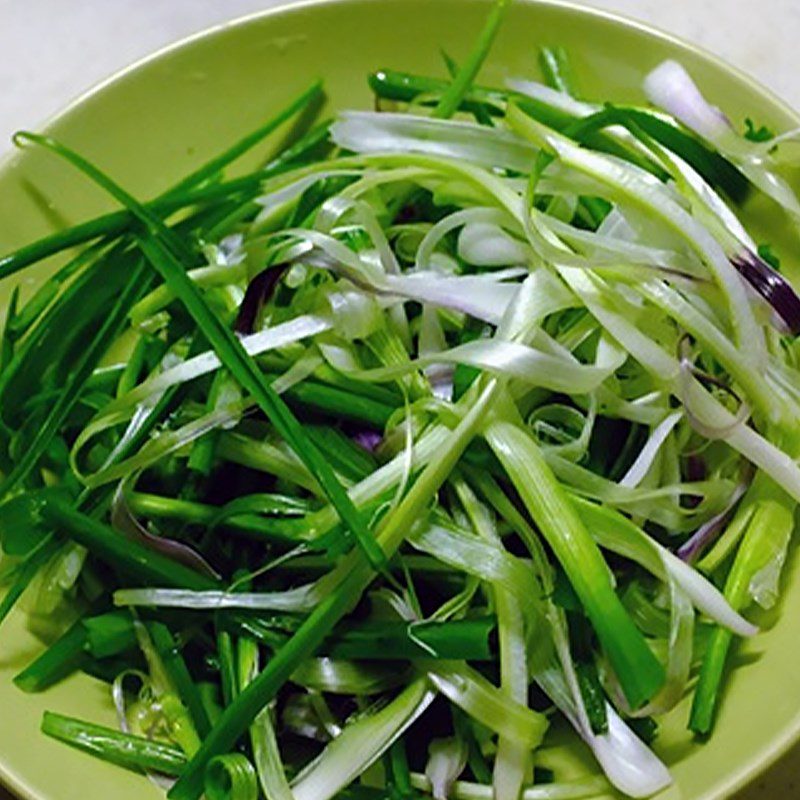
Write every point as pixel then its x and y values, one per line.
pixel 70 393
pixel 175 665
pixel 557 70
pixel 59 660
pixel 179 196
pixel 8 337
pixel 639 671
pixel 159 247
pixel 227 667
pixel 122 749
pixel 454 95
pixel 765 539
pixel 339 403
pixel 150 505
pixel 355 577
pixel 466 639
pixel 134 559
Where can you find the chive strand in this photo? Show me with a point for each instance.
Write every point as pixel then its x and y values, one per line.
pixel 123 749
pixel 238 716
pixel 8 336
pixel 179 196
pixel 338 403
pixel 481 115
pixel 557 70
pixel 451 100
pixel 400 773
pixel 81 373
pixel 175 665
pixel 134 559
pixel 227 345
pixel 26 571
pixel 192 512
pixel 115 223
pixel 467 639
pixel 771 522
pixel 227 667
pixel 59 660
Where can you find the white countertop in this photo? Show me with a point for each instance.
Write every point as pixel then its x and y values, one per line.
pixel 54 50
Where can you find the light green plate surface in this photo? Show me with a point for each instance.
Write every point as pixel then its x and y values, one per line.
pixel 151 124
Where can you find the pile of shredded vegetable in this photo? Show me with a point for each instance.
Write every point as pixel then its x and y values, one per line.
pixel 444 450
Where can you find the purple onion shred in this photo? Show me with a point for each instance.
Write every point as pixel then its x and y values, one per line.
pixel 772 286
pixel 708 532
pixel 368 439
pixel 125 522
pixel 258 291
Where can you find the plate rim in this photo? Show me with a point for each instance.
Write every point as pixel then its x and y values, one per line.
pixel 760 762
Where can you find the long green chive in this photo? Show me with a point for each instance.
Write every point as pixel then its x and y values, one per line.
pixel 341 404
pixel 710 164
pixel 255 696
pixel 33 309
pixel 767 534
pixel 400 773
pixel 116 223
pixel 227 667
pixel 468 639
pixel 480 113
pixel 60 659
pixel 639 672
pixel 134 559
pixel 202 514
pixel 62 330
pixel 557 70
pixel 99 637
pixel 394 85
pixel 123 749
pixel 179 195
pixel 130 374
pixel 8 336
pixel 228 348
pixel 346 457
pixel 452 98
pixel 167 647
pixel 83 369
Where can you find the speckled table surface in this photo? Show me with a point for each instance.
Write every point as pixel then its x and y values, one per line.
pixel 54 50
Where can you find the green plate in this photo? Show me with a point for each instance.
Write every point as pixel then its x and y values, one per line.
pixel 154 122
